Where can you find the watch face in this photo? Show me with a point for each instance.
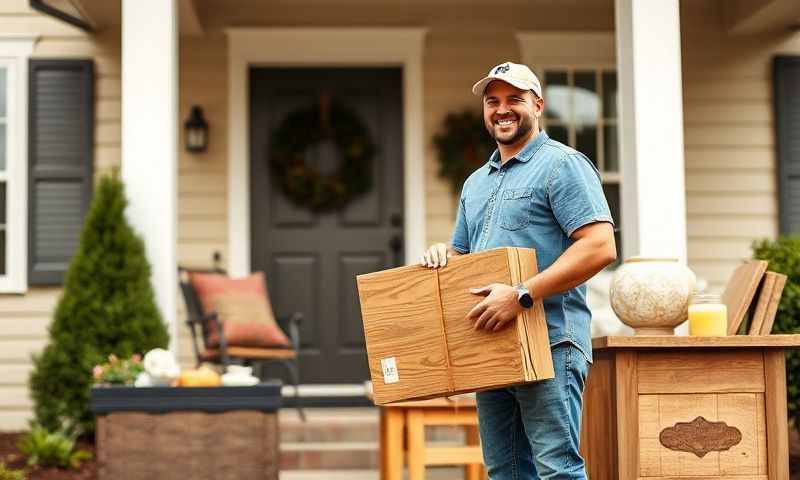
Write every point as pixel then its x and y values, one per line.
pixel 525 300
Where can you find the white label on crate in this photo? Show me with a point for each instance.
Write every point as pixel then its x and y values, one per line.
pixel 390 374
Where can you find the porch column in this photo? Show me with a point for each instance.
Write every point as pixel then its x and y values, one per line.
pixel 651 128
pixel 149 141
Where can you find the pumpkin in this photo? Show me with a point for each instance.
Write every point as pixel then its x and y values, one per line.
pixel 201 377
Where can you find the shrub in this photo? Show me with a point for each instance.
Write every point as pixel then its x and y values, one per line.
pixel 107 307
pixel 51 449
pixel 784 257
pixel 9 474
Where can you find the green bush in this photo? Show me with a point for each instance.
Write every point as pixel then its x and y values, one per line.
pixel 9 474
pixel 107 307
pixel 784 257
pixel 51 449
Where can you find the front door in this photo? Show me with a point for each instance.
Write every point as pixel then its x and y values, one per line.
pixel 311 259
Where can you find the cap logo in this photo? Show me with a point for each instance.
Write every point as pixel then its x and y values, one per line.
pixel 502 69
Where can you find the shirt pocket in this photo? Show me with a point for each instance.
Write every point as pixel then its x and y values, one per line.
pixel 515 209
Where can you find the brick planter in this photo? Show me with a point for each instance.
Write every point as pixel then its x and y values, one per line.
pixel 197 433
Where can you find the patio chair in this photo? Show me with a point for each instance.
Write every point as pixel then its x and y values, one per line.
pixel 224 354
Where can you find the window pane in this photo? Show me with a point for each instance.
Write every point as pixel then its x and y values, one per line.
pixel 2 204
pixel 610 94
pixel 556 93
pixel 557 132
pixel 611 148
pixel 587 102
pixel 2 147
pixel 586 141
pixel 612 197
pixel 3 92
pixel 2 252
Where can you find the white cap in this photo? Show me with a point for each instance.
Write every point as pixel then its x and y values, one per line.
pixel 514 74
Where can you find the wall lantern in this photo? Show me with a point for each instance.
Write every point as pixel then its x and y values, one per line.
pixel 196 130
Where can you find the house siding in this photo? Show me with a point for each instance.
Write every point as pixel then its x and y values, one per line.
pixel 731 188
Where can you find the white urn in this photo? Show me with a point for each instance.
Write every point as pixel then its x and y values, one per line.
pixel 651 295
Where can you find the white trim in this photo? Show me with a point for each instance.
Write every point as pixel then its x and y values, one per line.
pixel 14 53
pixel 323 46
pixel 149 141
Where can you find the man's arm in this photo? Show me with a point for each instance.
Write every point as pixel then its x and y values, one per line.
pixel 593 250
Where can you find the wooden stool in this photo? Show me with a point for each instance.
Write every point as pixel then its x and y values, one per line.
pixel 411 418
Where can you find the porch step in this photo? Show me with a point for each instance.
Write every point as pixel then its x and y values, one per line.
pixel 340 440
pixel 437 473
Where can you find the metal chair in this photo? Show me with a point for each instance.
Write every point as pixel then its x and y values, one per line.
pixel 224 354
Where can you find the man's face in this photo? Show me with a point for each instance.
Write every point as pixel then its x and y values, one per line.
pixel 509 113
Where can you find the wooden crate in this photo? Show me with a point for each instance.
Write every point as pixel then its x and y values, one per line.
pixel 687 407
pixel 420 344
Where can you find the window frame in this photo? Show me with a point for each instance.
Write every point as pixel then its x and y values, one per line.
pixel 14 54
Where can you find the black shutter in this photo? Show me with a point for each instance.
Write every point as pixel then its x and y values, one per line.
pixel 60 163
pixel 787 125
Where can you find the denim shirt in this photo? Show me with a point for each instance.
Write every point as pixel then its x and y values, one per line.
pixel 536 200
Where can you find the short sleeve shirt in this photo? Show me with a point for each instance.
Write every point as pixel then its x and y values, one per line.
pixel 537 199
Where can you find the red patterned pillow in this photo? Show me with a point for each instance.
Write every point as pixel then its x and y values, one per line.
pixel 243 308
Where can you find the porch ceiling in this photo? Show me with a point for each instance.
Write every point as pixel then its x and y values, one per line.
pixel 760 16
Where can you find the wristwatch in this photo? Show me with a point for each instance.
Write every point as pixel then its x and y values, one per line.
pixel 523 295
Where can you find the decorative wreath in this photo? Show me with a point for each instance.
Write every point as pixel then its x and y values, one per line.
pixel 305 185
pixel 463 146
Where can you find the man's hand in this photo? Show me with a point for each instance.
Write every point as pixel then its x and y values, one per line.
pixel 500 307
pixel 436 256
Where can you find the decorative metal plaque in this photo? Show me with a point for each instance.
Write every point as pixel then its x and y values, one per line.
pixel 700 437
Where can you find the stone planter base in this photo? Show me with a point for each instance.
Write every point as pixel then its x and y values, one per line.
pixel 187 436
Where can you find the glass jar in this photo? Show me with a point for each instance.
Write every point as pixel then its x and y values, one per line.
pixel 708 316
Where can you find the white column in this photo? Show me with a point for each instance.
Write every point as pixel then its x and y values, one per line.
pixel 651 128
pixel 149 140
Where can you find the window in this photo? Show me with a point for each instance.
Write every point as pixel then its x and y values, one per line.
pixel 581 111
pixel 14 54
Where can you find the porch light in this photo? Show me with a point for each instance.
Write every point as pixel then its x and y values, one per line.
pixel 196 129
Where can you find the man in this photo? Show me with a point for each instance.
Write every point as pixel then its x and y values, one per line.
pixel 538 193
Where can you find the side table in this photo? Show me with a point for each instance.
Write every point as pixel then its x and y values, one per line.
pixel 672 407
pixel 407 421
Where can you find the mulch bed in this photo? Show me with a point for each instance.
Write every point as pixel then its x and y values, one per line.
pixel 10 454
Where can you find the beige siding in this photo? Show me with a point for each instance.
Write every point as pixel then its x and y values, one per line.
pixel 24 318
pixel 729 135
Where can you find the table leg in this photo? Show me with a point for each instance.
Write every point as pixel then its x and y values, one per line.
pixel 415 431
pixel 473 471
pixel 391 443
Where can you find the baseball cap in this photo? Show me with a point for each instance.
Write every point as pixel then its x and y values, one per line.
pixel 515 74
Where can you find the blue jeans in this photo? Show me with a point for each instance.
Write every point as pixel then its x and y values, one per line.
pixel 532 431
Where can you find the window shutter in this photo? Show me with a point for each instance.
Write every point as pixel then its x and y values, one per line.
pixel 787 124
pixel 60 163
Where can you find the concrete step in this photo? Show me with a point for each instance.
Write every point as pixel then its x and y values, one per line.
pixel 431 473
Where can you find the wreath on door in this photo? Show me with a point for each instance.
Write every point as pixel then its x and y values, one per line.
pixel 305 185
pixel 463 146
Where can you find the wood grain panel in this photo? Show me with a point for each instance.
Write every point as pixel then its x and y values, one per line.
pixel 740 290
pixel 739 411
pixel 627 409
pixel 685 408
pixel 776 421
pixel 774 303
pixel 762 299
pixel 599 429
pixel 679 371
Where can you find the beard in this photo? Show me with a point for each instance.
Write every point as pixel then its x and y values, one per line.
pixel 524 127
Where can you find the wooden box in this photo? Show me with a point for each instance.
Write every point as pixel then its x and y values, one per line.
pixel 420 344
pixel 687 407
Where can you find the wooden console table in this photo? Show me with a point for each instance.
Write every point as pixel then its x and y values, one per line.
pixel 407 420
pixel 678 407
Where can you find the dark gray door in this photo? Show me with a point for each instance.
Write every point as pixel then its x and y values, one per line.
pixel 311 260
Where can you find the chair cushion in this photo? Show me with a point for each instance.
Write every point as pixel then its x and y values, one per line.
pixel 242 305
